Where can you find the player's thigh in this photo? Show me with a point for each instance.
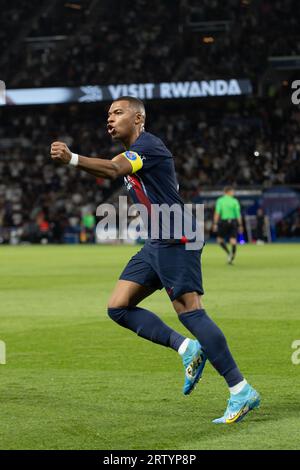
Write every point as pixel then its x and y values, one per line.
pixel 137 281
pixel 233 232
pixel 187 302
pixel 222 231
pixel 179 270
pixel 128 293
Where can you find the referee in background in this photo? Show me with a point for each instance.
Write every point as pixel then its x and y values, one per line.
pixel 228 222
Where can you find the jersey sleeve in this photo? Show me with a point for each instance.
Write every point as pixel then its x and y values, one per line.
pixel 218 206
pixel 134 159
pixel 237 209
pixel 151 152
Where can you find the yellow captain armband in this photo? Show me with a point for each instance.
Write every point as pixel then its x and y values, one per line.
pixel 135 160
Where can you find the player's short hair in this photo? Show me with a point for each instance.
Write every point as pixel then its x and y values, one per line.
pixel 136 103
pixel 228 188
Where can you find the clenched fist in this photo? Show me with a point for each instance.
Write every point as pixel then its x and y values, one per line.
pixel 60 152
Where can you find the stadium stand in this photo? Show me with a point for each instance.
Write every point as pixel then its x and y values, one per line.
pixel 82 42
pixel 211 147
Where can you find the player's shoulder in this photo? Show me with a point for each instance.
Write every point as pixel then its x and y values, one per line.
pixel 150 144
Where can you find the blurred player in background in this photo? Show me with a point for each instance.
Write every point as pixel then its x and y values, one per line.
pixel 149 173
pixel 228 222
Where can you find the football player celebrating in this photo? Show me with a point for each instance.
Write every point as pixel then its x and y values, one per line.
pixel 149 172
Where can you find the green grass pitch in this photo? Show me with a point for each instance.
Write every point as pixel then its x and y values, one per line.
pixel 76 380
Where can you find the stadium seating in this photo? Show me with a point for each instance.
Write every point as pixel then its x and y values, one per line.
pixel 82 42
pixel 211 147
pixel 248 142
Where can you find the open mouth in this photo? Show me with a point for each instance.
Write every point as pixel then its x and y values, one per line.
pixel 110 129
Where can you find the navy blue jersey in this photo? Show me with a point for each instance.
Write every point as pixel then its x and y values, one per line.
pixel 155 183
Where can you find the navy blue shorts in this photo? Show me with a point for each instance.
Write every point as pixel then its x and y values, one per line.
pixel 170 266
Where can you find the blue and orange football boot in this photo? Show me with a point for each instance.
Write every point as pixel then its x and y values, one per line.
pixel 239 405
pixel 194 360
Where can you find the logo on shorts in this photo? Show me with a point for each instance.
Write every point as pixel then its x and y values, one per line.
pixel 170 290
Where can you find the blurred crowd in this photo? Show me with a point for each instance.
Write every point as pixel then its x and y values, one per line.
pixel 289 227
pixel 86 42
pixel 245 143
pixel 256 143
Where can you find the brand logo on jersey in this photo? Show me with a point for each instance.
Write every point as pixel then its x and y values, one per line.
pixel 131 155
pixel 128 183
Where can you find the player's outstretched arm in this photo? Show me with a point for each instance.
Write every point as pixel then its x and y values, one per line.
pixel 110 169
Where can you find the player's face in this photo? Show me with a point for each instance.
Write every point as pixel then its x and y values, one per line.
pixel 121 120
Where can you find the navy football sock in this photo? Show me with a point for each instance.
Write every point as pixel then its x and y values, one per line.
pixel 224 246
pixel 233 250
pixel 147 325
pixel 213 343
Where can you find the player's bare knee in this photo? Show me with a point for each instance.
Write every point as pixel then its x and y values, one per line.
pixel 117 299
pixel 187 303
pixel 115 303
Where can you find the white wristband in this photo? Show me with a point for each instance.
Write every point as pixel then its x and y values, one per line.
pixel 74 159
